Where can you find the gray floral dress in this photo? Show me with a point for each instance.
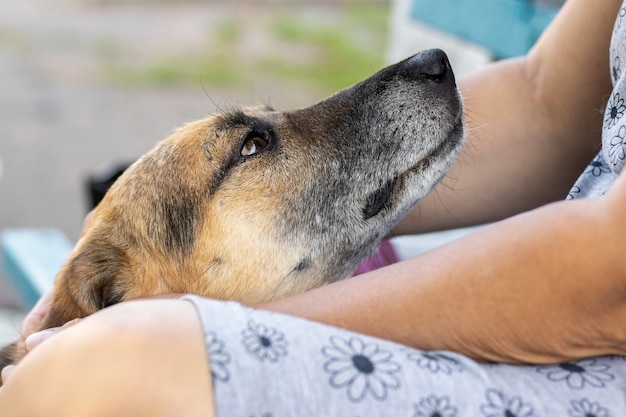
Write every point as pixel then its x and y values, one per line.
pixel 266 364
pixel 606 166
pixel 270 365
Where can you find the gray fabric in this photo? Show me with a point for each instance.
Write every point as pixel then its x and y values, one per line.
pixel 271 365
pixel 602 172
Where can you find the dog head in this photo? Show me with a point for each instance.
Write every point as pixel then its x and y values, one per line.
pixel 256 204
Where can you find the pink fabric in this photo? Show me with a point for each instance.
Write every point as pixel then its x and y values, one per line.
pixel 385 255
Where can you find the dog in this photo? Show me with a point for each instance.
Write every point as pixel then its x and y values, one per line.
pixel 256 204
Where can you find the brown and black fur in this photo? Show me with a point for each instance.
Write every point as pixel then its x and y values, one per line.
pixel 198 214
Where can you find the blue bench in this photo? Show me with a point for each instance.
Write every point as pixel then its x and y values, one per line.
pixel 31 259
pixel 506 27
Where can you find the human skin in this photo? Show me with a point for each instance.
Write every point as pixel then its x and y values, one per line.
pixel 530 288
pixel 141 358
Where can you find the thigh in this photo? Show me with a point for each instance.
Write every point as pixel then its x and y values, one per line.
pixel 267 364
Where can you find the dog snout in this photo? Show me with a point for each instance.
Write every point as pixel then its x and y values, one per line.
pixel 430 66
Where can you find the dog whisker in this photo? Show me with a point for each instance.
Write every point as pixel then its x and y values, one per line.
pixel 280 283
pixel 204 272
pixel 169 288
pixel 218 107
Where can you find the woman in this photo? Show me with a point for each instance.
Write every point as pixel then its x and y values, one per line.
pixel 542 287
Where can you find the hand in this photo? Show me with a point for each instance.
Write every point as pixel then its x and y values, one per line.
pixel 36 314
pixel 30 323
pixel 34 318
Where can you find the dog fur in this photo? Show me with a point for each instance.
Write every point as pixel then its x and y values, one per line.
pixel 256 204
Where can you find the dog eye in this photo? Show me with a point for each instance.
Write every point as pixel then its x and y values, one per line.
pixel 254 144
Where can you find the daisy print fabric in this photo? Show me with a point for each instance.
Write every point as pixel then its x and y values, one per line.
pixel 604 169
pixel 614 132
pixel 272 365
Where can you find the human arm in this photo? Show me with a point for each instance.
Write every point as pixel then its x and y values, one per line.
pixel 126 360
pixel 548 285
pixel 545 286
pixel 533 123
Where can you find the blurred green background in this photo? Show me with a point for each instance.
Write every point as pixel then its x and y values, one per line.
pixel 324 51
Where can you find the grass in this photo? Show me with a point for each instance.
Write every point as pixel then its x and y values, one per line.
pixel 10 38
pixel 327 55
pixel 6 36
pixel 341 59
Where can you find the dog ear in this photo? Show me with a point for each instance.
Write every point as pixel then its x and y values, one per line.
pixel 95 278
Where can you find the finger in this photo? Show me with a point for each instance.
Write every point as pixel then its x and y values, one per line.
pixel 71 323
pixel 34 318
pixel 37 313
pixel 6 373
pixel 87 222
pixel 37 338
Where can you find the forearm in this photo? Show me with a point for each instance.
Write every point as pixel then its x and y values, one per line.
pixel 523 290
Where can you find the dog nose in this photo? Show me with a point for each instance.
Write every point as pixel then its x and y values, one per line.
pixel 431 65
